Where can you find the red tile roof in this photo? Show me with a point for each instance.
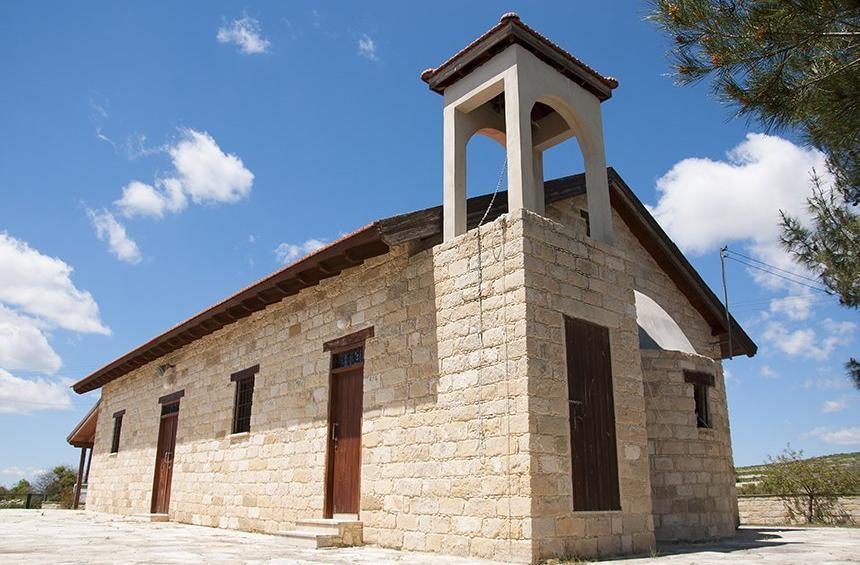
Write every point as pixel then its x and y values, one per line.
pixel 511 29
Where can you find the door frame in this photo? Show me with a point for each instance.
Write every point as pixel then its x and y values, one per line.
pixel 163 402
pixel 352 341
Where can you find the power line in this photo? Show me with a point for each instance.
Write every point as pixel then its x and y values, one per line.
pixel 762 269
pixel 774 267
pixel 810 298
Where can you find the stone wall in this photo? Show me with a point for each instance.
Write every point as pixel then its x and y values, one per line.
pixel 444 407
pixel 770 510
pixel 648 277
pixel 692 473
pixel 465 441
pixel 570 274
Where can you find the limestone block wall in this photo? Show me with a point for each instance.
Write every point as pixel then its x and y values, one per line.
pixel 445 430
pixel 465 435
pixel 567 273
pixel 770 510
pixel 692 471
pixel 648 277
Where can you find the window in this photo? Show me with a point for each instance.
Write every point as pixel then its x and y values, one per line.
pixel 345 359
pixel 117 428
pixel 244 398
pixel 703 419
pixel 701 383
pixel 584 215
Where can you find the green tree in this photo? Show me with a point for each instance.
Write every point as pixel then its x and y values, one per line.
pixel 853 368
pixel 57 484
pixel 22 487
pixel 794 65
pixel 809 488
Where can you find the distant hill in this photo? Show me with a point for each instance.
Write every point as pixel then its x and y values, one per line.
pixel 750 475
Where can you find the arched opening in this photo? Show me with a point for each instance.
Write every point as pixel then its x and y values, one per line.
pixel 485 161
pixel 657 329
pixel 562 160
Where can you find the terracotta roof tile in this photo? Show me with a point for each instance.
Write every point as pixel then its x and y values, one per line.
pixel 514 19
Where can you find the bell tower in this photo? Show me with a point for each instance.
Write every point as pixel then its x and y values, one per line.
pixel 520 89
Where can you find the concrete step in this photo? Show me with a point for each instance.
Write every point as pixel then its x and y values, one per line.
pixel 327 525
pixel 323 532
pixel 302 538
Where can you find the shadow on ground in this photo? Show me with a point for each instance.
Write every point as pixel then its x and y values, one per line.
pixel 747 538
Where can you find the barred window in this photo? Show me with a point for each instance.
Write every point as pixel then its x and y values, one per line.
pixel 244 399
pixel 117 429
pixel 349 358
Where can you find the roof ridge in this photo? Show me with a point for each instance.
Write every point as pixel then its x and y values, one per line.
pixel 514 19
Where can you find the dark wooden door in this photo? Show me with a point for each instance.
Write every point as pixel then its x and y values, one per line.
pixel 164 462
pixel 344 448
pixel 594 460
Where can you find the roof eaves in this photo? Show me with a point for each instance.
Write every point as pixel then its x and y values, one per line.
pixel 239 305
pixel 512 29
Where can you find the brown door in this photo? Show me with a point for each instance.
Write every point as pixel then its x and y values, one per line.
pixel 594 460
pixel 164 458
pixel 344 445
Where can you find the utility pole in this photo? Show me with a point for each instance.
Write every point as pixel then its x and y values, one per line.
pixel 723 252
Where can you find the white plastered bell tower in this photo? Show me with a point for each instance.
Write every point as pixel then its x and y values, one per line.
pixel 516 87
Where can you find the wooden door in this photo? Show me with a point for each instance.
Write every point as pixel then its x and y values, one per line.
pixel 344 444
pixel 594 460
pixel 164 458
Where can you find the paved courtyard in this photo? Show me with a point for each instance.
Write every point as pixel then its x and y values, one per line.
pixel 64 536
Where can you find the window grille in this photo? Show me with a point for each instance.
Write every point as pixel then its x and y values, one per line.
pixel 244 400
pixel 348 358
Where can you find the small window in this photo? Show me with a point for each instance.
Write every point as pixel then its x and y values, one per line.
pixel 345 359
pixel 244 399
pixel 701 383
pixel 117 429
pixel 703 417
pixel 584 215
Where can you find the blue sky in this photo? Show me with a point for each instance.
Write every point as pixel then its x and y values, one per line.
pixel 155 156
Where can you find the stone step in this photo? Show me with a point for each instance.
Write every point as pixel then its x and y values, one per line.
pixel 302 538
pixel 328 525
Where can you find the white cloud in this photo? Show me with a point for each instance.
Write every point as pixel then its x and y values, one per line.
pixel 827 383
pixel 140 199
pixel 367 48
pixel 23 345
pixel 206 173
pixel 110 230
pixel 286 253
pixel 41 286
pixel 245 33
pixel 795 306
pixel 805 342
pixel 835 405
pixel 21 472
pixel 705 204
pixel 37 295
pixel 202 172
pixel 24 396
pixel 843 436
pixel 768 373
